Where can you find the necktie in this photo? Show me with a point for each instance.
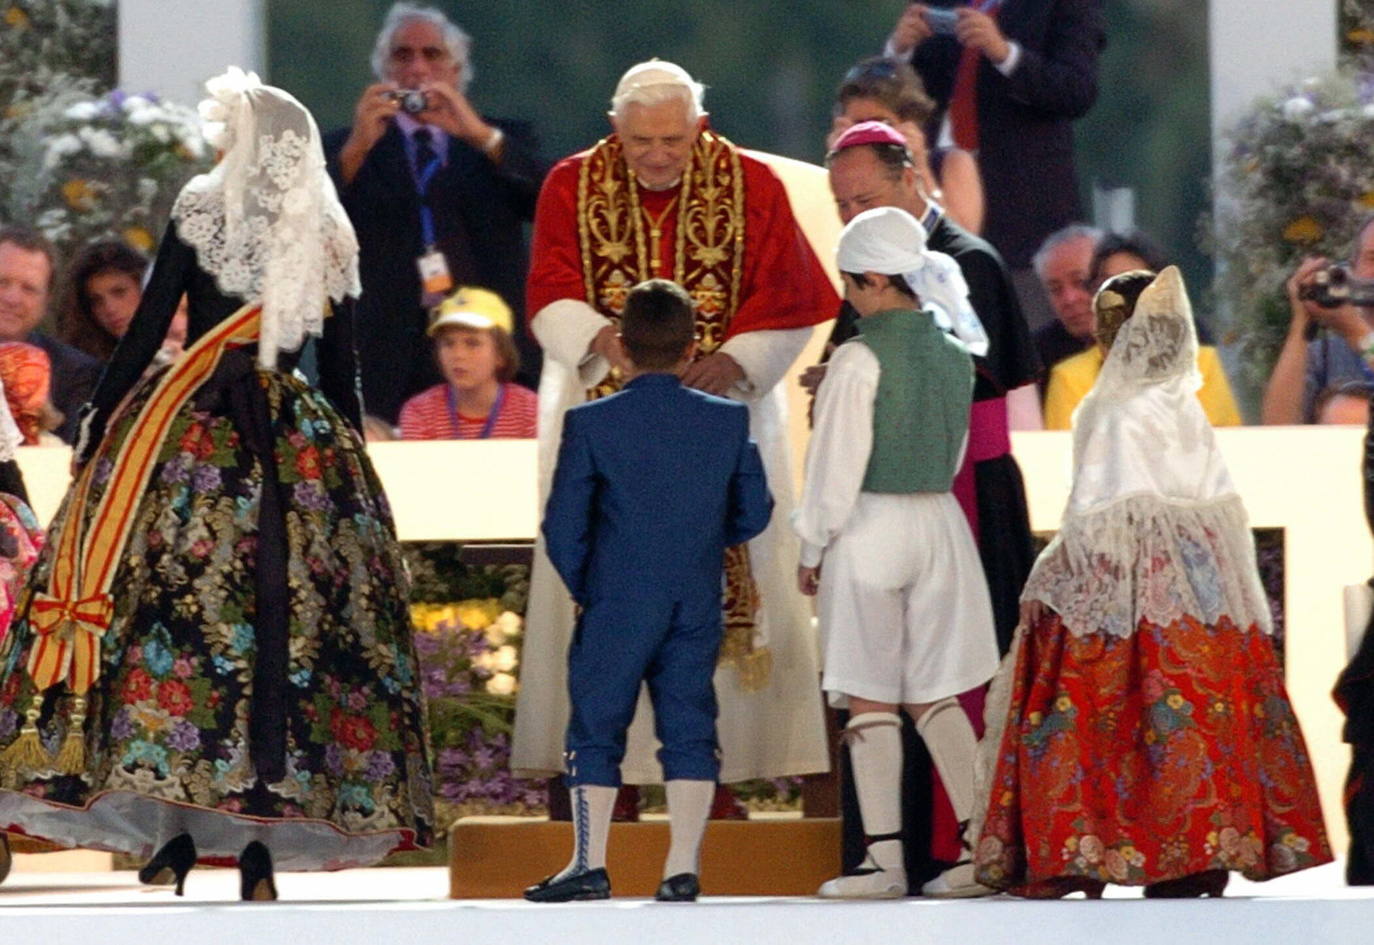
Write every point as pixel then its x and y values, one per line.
pixel 963 102
pixel 426 158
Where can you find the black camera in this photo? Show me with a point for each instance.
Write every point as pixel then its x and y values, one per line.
pixel 1334 286
pixel 413 101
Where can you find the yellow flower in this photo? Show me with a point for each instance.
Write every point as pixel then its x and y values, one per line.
pixel 1007 798
pixel 79 194
pixel 1362 36
pixel 1365 201
pixel 139 238
pixel 1063 704
pixel 1305 229
pixel 1151 737
pixel 16 18
pixel 1071 843
pixel 1174 701
pixel 1034 718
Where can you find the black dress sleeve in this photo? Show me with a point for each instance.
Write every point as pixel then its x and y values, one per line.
pixel 338 364
pixel 12 480
pixel 171 271
pixel 1011 361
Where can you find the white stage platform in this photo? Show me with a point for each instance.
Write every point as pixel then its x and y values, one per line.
pixel 407 905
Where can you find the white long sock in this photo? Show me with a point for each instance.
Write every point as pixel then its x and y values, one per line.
pixel 953 747
pixel 689 803
pixel 875 751
pixel 591 811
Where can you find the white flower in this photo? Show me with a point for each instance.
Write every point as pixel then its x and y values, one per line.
pixel 82 111
pixel 1368 111
pixel 502 684
pixel 504 659
pixel 102 143
pixel 1297 107
pixel 147 189
pixel 504 627
pixel 161 133
pixel 135 103
pixel 58 148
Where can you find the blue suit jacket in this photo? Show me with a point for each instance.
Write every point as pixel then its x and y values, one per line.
pixel 652 484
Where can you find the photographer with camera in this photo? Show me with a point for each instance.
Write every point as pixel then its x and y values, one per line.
pixel 1339 300
pixel 438 195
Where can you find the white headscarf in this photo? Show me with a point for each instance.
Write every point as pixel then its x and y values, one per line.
pixel 891 242
pixel 266 222
pixel 1154 528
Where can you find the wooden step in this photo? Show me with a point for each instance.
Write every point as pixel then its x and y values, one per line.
pixel 497 857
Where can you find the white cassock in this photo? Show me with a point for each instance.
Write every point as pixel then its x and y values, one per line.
pixel 771 732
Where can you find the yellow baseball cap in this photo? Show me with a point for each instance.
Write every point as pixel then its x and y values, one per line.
pixel 470 307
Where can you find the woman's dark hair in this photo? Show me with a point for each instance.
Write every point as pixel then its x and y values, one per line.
pixel 1115 302
pixel 889 81
pixel 1135 243
pixel 76 323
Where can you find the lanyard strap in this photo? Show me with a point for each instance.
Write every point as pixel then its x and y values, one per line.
pixel 422 180
pixel 492 414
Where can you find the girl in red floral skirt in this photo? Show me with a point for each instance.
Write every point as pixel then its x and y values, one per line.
pixel 1142 732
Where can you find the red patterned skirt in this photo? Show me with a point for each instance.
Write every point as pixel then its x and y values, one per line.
pixel 1146 758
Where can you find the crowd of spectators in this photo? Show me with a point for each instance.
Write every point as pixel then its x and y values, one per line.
pixel 984 94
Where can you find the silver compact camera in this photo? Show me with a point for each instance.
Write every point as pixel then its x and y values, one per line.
pixel 413 101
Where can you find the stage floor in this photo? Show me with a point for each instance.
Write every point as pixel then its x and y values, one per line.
pixel 408 905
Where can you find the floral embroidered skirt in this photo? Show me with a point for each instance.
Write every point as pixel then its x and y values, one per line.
pixel 168 746
pixel 1149 757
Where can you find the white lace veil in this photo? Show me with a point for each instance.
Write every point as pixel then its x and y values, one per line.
pixel 266 222
pixel 1154 527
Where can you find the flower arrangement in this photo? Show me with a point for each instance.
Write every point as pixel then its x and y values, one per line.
pixel 94 166
pixel 468 633
pixel 47 41
pixel 1357 32
pixel 1296 181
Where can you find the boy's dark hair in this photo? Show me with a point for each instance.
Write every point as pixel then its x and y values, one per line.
pixel 898 282
pixel 657 325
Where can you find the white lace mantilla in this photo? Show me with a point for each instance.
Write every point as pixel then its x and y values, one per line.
pixel 266 222
pixel 1144 557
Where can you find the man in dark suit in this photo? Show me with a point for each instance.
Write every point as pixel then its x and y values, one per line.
pixel 652 484
pixel 27 266
pixel 431 186
pixel 1010 77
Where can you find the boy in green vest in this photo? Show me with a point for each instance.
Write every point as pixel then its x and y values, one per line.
pixel 904 611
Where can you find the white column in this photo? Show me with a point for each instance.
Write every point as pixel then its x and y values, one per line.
pixel 172 46
pixel 1257 46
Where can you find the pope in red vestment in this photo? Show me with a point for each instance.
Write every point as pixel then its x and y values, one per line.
pixel 667 197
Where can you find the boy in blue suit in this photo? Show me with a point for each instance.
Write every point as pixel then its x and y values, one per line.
pixel 652 484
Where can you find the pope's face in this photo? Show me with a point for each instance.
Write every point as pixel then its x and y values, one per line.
pixel 657 141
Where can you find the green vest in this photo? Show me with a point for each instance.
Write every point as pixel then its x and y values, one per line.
pixel 921 408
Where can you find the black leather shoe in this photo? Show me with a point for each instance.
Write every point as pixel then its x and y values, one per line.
pixel 682 887
pixel 593 884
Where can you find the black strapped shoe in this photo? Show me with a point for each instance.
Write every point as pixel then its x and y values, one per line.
pixel 590 884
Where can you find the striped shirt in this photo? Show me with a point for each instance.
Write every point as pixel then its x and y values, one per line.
pixel 426 416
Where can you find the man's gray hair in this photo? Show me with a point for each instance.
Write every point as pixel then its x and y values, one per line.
pixel 654 83
pixel 458 42
pixel 1068 234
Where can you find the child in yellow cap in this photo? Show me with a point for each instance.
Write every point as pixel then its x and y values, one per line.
pixel 477 357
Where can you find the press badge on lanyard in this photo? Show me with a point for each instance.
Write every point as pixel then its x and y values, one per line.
pixel 435 279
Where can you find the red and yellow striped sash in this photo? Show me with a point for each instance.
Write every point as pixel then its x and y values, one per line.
pixel 75 611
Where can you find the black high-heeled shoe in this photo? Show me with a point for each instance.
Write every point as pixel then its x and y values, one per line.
pixel 1193 886
pixel 171 863
pixel 256 883
pixel 5 858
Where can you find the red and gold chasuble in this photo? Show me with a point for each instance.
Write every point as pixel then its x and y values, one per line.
pixel 695 237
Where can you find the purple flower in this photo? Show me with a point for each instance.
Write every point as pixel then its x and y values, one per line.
pixel 122 727
pixel 206 478
pixel 9 720
pixel 184 736
pixel 177 469
pixel 333 760
pixel 309 494
pixel 380 766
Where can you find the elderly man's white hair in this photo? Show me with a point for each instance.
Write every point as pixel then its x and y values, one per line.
pixel 459 43
pixel 654 83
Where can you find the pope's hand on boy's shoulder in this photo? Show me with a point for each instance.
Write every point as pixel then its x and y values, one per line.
pixel 715 374
pixel 808 579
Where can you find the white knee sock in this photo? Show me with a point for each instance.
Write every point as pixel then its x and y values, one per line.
pixel 875 751
pixel 953 747
pixel 689 802
pixel 591 812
